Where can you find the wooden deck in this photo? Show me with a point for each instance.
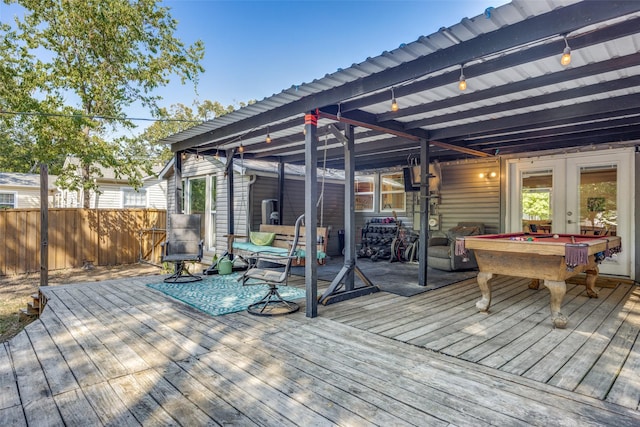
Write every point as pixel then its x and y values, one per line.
pixel 119 353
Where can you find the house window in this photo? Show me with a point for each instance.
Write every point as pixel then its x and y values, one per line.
pixel 364 193
pixel 7 200
pixel 132 198
pixel 392 196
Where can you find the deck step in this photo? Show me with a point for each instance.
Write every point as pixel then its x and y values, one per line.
pixel 28 312
pixel 33 307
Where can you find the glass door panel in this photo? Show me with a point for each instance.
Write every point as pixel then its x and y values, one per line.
pixel 536 201
pixel 598 200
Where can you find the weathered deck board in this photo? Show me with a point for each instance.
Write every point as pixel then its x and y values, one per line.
pixel 557 358
pixel 626 390
pixel 515 336
pixel 8 388
pixel 599 380
pixel 158 361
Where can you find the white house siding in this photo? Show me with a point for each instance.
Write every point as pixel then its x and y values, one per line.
pixel 210 167
pixel 110 196
pixel 156 193
pixel 27 198
pixel 26 188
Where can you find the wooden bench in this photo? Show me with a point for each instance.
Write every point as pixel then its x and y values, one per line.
pixel 284 235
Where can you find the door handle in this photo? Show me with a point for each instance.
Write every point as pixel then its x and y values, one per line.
pixel 570 222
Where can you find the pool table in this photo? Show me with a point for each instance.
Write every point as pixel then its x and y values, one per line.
pixel 550 257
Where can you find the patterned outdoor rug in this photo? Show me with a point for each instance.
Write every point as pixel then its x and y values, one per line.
pixel 217 295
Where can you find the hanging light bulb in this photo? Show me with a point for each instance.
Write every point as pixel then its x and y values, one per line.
pixel 566 54
pixel 339 113
pixel 268 138
pixel 217 155
pixel 394 103
pixel 462 84
pixel 241 148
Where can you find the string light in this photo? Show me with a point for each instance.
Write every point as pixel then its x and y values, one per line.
pixel 394 103
pixel 566 54
pixel 268 138
pixel 462 84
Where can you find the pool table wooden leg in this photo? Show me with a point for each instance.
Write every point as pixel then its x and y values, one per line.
pixel 592 275
pixel 485 288
pixel 557 289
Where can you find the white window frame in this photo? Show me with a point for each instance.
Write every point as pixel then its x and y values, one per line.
pixel 141 192
pixel 365 193
pixel 400 190
pixel 15 199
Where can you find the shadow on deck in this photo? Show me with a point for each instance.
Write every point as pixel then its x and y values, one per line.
pixel 117 352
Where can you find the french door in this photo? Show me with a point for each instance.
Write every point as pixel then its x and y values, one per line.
pixel 585 193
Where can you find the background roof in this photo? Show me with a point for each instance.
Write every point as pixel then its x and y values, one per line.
pixel 519 97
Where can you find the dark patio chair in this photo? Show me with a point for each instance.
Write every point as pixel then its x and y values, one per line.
pixel 272 303
pixel 183 245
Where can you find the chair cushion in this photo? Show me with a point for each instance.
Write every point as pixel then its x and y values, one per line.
pixel 261 238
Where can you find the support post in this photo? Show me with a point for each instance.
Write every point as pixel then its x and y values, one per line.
pixel 349 207
pixel 230 193
pixel 177 175
pixel 311 212
pixel 423 249
pixel 44 224
pixel 345 276
pixel 281 184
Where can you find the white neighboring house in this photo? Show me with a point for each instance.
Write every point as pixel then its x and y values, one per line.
pixel 22 190
pixel 116 193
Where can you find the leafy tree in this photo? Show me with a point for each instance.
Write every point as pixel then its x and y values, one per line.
pixel 177 118
pixel 536 205
pixel 94 59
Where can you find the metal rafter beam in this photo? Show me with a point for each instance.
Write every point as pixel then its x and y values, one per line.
pixel 491 66
pixel 560 21
pixel 575 112
pixel 561 131
pixel 411 136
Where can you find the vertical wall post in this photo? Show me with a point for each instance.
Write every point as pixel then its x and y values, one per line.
pixel 311 212
pixel 424 212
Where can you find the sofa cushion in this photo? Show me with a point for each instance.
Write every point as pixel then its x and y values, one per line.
pixel 440 251
pixel 461 231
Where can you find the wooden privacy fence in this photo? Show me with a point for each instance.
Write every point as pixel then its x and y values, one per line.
pixel 76 236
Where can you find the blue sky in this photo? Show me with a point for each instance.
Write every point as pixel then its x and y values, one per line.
pixel 254 49
pixel 257 48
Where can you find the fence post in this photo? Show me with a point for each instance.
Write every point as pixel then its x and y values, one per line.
pixel 44 225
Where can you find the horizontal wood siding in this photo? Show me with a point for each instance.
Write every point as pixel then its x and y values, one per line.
pixel 102 236
pixel 330 212
pixel 156 194
pixel 467 197
pixel 28 199
pixel 264 188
